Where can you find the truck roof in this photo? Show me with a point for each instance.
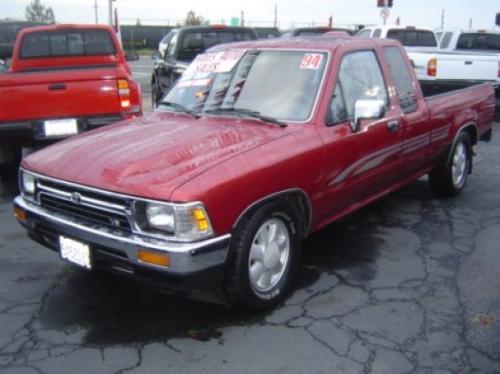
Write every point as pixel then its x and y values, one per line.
pixel 323 42
pixel 64 26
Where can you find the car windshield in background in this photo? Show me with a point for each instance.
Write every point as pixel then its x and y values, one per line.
pixel 194 43
pixel 277 84
pixel 67 43
pixel 479 41
pixel 413 38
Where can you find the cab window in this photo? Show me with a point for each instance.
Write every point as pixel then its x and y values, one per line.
pixel 404 87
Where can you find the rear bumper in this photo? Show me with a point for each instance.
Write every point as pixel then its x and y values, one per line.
pixel 193 265
pixel 30 133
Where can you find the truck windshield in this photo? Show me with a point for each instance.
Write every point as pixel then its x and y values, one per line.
pixel 479 41
pixel 277 84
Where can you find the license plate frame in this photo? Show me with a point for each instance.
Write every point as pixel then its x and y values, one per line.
pixel 60 127
pixel 76 252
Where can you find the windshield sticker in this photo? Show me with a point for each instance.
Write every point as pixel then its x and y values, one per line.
pixel 311 61
pixel 193 83
pixel 215 62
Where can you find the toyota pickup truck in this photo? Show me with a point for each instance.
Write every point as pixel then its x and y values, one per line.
pixel 63 80
pixel 258 145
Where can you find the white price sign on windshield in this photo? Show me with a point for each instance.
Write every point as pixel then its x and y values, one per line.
pixel 214 62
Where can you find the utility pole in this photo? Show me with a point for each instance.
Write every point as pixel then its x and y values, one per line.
pixel 275 15
pixel 110 12
pixel 470 24
pixel 242 19
pixel 442 19
pixel 96 14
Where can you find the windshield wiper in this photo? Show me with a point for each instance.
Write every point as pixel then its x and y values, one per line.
pixel 179 108
pixel 249 113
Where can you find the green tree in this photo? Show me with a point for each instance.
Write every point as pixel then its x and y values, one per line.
pixel 192 19
pixel 37 12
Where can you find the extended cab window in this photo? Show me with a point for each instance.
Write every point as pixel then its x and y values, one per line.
pixel 67 43
pixel 359 78
pixel 404 87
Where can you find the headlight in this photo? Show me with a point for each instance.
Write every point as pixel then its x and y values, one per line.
pixel 27 183
pixel 183 221
pixel 161 217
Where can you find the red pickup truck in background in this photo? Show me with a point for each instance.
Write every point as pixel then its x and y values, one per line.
pixel 258 145
pixel 63 80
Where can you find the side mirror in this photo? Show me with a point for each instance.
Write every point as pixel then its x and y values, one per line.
pixel 367 109
pixel 156 55
pixel 131 56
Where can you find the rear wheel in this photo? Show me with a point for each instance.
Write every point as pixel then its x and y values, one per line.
pixel 263 258
pixel 450 178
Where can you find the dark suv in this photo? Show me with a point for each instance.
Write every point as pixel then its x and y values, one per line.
pixel 183 45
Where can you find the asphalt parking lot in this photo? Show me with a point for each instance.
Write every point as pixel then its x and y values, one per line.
pixel 409 284
pixel 141 70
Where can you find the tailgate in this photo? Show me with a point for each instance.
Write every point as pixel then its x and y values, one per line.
pixel 66 93
pixel 479 68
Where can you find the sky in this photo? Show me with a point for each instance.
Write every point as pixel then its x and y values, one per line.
pixel 291 13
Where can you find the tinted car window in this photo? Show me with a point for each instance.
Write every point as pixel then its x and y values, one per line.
pixel 413 38
pixel 67 43
pixel 364 33
pixel 377 33
pixel 359 78
pixel 445 42
pixel 480 41
pixel 404 87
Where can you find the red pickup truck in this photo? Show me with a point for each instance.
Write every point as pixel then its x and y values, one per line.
pixel 64 79
pixel 258 145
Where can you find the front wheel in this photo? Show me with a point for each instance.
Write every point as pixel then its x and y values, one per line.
pixel 449 179
pixel 263 258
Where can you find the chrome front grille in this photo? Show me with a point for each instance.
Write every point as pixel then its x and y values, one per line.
pixel 88 206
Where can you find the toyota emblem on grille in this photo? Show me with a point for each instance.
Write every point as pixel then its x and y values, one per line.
pixel 76 197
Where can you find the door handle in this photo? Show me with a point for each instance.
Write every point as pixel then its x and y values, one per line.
pixel 392 126
pixel 57 87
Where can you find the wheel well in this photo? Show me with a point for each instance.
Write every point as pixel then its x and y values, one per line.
pixel 296 199
pixel 472 131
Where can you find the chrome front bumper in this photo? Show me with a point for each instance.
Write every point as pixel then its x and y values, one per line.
pixel 185 258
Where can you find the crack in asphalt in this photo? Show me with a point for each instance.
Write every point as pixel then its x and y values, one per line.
pixel 381 291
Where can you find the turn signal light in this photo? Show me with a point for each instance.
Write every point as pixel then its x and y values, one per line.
pixel 153 258
pixel 432 67
pixel 20 214
pixel 124 93
pixel 201 219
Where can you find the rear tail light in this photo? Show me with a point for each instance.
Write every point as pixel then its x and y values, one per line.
pixel 124 93
pixel 432 67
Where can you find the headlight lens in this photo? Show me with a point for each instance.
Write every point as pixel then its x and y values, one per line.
pixel 161 217
pixel 184 221
pixel 27 183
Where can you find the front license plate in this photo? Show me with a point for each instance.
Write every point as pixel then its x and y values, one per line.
pixel 75 252
pixel 60 127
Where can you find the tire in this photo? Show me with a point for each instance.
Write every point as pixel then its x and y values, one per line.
pixel 450 177
pixel 154 95
pixel 266 242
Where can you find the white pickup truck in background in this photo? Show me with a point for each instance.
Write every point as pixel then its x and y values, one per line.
pixel 413 38
pixel 462 59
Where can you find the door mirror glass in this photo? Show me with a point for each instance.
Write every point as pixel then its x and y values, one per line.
pixel 367 109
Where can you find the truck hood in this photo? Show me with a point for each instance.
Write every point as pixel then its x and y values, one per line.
pixel 152 155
